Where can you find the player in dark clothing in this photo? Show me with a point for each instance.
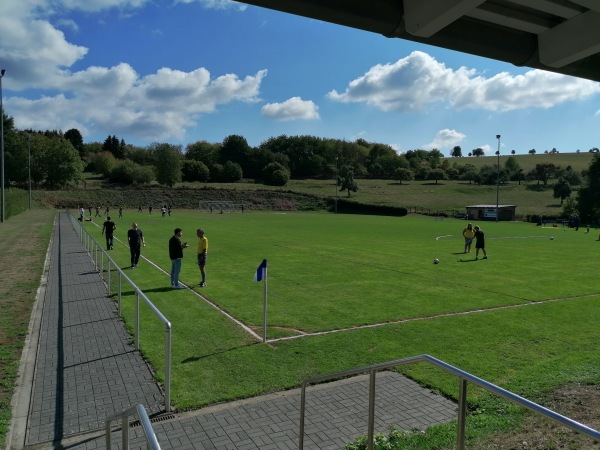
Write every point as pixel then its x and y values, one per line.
pixel 108 228
pixel 479 243
pixel 176 255
pixel 135 238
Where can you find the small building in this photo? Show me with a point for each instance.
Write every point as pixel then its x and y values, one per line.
pixel 488 212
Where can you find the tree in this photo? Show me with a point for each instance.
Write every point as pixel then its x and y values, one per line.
pixel 544 172
pixel 478 152
pixel 434 158
pixel 456 152
pixel 562 190
pixel 588 196
pixel 63 165
pixel 403 174
pixel 346 180
pixel 437 174
pixel 113 145
pixel 512 152
pixel 167 163
pixel 74 137
pixel 235 148
pixel 490 175
pixel 532 151
pixel 519 176
pixel 511 164
pixel 574 178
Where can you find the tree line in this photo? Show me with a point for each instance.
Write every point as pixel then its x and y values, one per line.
pixel 58 159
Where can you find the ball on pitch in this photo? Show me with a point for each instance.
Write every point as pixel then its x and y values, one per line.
pixel 551 238
pixel 436 261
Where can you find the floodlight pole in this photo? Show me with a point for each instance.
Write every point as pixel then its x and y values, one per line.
pixel 3 209
pixel 29 165
pixel 336 183
pixel 498 180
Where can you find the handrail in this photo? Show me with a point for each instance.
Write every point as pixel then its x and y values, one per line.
pixel 463 376
pixel 150 436
pixel 89 242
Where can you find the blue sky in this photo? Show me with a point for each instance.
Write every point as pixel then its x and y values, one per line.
pixel 180 71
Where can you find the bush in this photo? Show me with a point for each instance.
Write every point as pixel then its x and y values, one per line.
pixel 232 172
pixel 128 172
pixel 275 174
pixel 193 170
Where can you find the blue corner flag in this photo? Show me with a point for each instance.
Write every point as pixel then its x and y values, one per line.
pixel 260 272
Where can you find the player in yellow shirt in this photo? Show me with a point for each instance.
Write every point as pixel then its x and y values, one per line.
pixel 202 254
pixel 468 234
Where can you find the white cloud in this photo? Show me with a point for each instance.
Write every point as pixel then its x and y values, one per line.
pixel 100 5
pixel 292 109
pixel 418 81
pixel 112 100
pixel 217 4
pixel 118 101
pixel 446 139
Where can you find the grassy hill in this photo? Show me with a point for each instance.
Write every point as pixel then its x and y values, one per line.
pixel 417 196
pixel 577 161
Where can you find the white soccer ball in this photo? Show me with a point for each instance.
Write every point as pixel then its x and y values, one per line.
pixel 551 238
pixel 436 261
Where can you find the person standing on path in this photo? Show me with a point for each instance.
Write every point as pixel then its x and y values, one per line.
pixel 468 234
pixel 479 243
pixel 176 254
pixel 202 254
pixel 135 238
pixel 108 228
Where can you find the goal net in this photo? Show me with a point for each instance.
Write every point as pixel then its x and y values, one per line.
pixel 220 206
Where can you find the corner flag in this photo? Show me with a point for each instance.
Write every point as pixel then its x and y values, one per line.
pixel 260 272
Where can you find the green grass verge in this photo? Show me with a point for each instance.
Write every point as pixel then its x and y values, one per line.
pixel 23 247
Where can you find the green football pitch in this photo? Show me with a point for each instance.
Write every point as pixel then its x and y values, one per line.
pixel 346 291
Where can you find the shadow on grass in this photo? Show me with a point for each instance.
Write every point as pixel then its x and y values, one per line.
pixel 538 187
pixel 467 260
pixel 160 289
pixel 208 355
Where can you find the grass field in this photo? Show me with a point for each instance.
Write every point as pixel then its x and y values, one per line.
pixel 523 319
pixel 23 248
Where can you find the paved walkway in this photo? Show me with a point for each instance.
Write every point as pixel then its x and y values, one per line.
pixel 80 367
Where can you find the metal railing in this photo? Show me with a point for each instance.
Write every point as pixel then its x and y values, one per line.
pixel 98 255
pixel 149 435
pixel 463 378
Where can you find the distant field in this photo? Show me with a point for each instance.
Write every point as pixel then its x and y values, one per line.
pixel 577 161
pixel 530 325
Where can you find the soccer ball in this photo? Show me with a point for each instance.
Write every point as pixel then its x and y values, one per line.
pixel 551 238
pixel 436 261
